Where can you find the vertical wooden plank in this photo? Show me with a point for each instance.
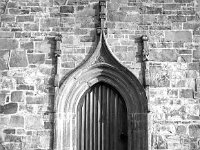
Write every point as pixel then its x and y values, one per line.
pixel 83 127
pixel 79 126
pixel 116 136
pixel 87 134
pixel 104 116
pixel 111 120
pixel 95 119
pixel 107 129
pixel 100 119
pixel 91 120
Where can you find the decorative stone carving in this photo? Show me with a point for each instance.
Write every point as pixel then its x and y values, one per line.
pixel 101 66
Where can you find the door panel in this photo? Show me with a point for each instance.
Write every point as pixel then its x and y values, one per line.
pixel 102 119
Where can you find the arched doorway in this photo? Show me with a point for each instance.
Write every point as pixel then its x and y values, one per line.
pixel 102 119
pixel 98 77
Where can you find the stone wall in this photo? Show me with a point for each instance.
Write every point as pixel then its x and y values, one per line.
pixel 27 64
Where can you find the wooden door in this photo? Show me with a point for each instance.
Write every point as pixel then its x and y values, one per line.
pixel 102 119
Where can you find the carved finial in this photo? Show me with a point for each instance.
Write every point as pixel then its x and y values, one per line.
pixel 145 38
pixel 58 39
pixel 102 16
pixel 145 48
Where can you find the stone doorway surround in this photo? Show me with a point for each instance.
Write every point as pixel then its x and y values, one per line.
pixel 102 66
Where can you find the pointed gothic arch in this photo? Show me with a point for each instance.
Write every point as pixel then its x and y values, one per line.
pixel 102 66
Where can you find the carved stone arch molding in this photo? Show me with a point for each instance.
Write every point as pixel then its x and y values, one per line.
pixel 102 66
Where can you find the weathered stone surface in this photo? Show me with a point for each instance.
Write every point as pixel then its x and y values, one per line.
pixel 36 58
pixel 7 83
pixel 31 27
pixel 9 131
pixel 194 130
pixel 186 93
pixel 4 120
pixel 66 9
pixel 18 59
pixel 3 97
pixel 166 55
pixel 6 34
pixel 17 121
pixel 25 87
pixel 36 123
pixel 26 45
pixel 159 77
pixel 178 36
pixel 49 22
pixel 10 108
pixel 4 55
pixel 181 130
pixel 7 18
pixel 22 34
pixel 8 44
pixel 13 138
pixel 59 2
pixel 25 18
pixel 36 100
pixel 16 96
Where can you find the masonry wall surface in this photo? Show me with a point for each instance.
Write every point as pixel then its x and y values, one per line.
pixel 27 64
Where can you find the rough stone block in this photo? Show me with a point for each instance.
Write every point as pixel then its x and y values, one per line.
pixel 25 18
pixel 18 59
pixel 87 38
pixel 25 87
pixel 196 54
pixel 154 10
pixel 8 44
pixel 9 131
pixel 17 96
pixel 165 55
pixel 194 130
pixel 7 18
pixel 4 120
pixel 66 9
pixel 36 100
pixel 177 18
pixel 31 27
pixel 26 45
pixel 120 48
pixel 79 31
pixel 4 55
pixel 158 76
pixel 36 9
pixel 178 36
pixel 6 34
pixel 36 58
pixel 12 5
pixel 22 34
pixel 181 129
pixel 14 11
pixel 10 108
pixel 49 22
pixel 171 6
pixel 68 64
pixel 48 125
pixel 172 93
pixel 59 2
pixel 186 93
pixel 194 66
pixel 34 123
pixel 3 96
pixel 17 121
pixel 13 138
